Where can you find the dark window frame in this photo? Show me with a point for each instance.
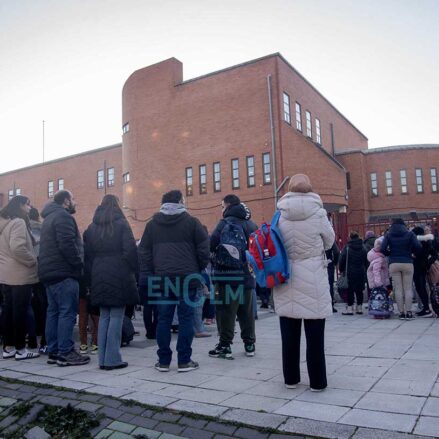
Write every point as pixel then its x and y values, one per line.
pixel 308 126
pixel 215 174
pixel 61 188
pixel 110 182
pixel 436 180
pixel 298 112
pixel 100 183
pixel 264 174
pixel 48 188
pixel 386 180
pixel 248 168
pixel 406 182
pixel 376 183
pixel 238 178
pixel 318 131
pixel 422 181
pixel 189 187
pixel 202 192
pixel 285 94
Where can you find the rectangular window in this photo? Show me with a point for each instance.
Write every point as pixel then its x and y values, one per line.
pixel 10 194
pixel 100 179
pixel 125 127
pixel 110 177
pixel 203 179
pixel 433 175
pixel 60 184
pixel 308 124
pixel 298 116
pixel 287 111
pixel 403 180
pixel 348 180
pixel 217 177
pixel 389 186
pixel 126 177
pixel 235 173
pixel 50 189
pixel 318 133
pixel 189 182
pixel 251 171
pixel 18 191
pixel 419 182
pixel 374 184
pixel 266 163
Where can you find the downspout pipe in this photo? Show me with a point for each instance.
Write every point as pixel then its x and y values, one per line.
pixel 273 139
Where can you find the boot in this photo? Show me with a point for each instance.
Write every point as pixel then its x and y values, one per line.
pixel 349 311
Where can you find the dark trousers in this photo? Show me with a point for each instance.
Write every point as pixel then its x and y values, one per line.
pixel 16 301
pixel 39 305
pixel 150 316
pixel 290 330
pixel 355 289
pixel 230 306
pixel 419 277
pixel 208 309
pixel 331 274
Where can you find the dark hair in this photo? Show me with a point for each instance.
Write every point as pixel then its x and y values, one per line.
pixel 34 214
pixel 232 199
pixel 61 196
pixel 398 221
pixel 13 208
pixel 110 208
pixel 174 196
pixel 354 235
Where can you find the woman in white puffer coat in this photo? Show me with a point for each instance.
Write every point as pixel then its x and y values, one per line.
pixel 307 233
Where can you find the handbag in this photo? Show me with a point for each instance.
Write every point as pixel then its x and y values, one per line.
pixel 342 281
pixel 433 273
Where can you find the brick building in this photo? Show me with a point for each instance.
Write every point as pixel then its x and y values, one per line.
pixel 244 129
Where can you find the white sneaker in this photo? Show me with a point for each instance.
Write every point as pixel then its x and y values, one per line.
pixel 9 354
pixel 291 386
pixel 25 355
pixel 349 311
pixel 316 390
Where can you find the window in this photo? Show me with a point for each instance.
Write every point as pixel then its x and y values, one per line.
pixel 189 182
pixel 60 184
pixel 203 179
pixel 403 180
pixel 18 191
pixel 125 128
pixel 318 134
pixel 419 182
pixel 287 111
pixel 235 173
pixel 266 164
pixel 433 175
pixel 348 180
pixel 110 177
pixel 298 117
pixel 126 177
pixel 374 184
pixel 389 187
pixel 251 171
pixel 217 177
pixel 50 189
pixel 308 124
pixel 10 194
pixel 100 179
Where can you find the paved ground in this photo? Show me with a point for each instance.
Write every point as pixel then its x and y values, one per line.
pixel 382 374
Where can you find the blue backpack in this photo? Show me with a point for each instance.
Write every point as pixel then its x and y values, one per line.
pixel 230 253
pixel 267 255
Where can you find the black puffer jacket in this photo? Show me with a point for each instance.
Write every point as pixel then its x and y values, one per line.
pixel 111 261
pixel 235 214
pixel 61 250
pixel 173 247
pixel 356 261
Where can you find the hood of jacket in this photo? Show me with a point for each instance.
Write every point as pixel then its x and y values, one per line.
pixel 169 220
pixel 297 206
pixel 236 210
pixel 373 255
pixel 99 219
pixel 3 223
pixel 355 244
pixel 50 208
pixel 397 230
pixel 425 238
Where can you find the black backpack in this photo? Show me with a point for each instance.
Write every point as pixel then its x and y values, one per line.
pixel 230 253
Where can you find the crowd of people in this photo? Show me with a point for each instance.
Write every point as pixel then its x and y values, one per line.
pixel 181 275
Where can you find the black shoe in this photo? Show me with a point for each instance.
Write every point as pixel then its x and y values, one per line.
pixel 402 316
pixel 409 315
pixel 187 367
pixel 118 366
pixel 72 359
pixel 334 309
pixel 264 306
pixel 424 313
pixel 174 329
pixel 52 359
pixel 162 367
pixel 150 336
pixel 221 351
pixel 250 349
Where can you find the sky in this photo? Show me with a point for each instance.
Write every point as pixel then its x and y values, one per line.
pixel 65 62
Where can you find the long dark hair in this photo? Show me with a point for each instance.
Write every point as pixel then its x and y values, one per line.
pixel 14 210
pixel 110 210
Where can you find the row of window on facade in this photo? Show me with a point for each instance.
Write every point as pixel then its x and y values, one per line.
pixel 308 119
pixel 403 181
pixel 235 172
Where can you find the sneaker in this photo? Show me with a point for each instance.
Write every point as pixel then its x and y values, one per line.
pixel 83 349
pixel 43 350
pixel 402 316
pixel 424 313
pixel 93 349
pixel 9 354
pixel 24 354
pixel 192 365
pixel 72 359
pixel 118 366
pixel 349 311
pixel 316 390
pixel 202 335
pixel 250 349
pixel 409 315
pixel 221 351
pixel 162 367
pixel 291 386
pixel 359 309
pixel 52 359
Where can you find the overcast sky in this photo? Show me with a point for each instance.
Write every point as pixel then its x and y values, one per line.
pixel 65 62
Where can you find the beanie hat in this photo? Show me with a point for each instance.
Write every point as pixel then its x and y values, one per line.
pixel 369 234
pixel 418 230
pixel 300 183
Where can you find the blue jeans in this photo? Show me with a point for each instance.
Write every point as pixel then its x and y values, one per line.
pixel 110 335
pixel 185 312
pixel 198 312
pixel 63 299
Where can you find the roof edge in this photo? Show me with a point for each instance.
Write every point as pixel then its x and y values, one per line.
pixel 389 149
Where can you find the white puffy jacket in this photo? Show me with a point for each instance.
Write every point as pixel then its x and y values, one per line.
pixel 307 233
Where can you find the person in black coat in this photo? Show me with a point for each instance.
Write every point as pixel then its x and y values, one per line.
pixel 332 255
pixel 111 264
pixel 353 261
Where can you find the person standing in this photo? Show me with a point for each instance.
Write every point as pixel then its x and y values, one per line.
pixel 60 268
pixel 332 255
pixel 173 252
pixel 307 234
pixel 234 286
pixel 378 270
pixel 18 272
pixel 353 261
pixel 111 265
pixel 399 244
